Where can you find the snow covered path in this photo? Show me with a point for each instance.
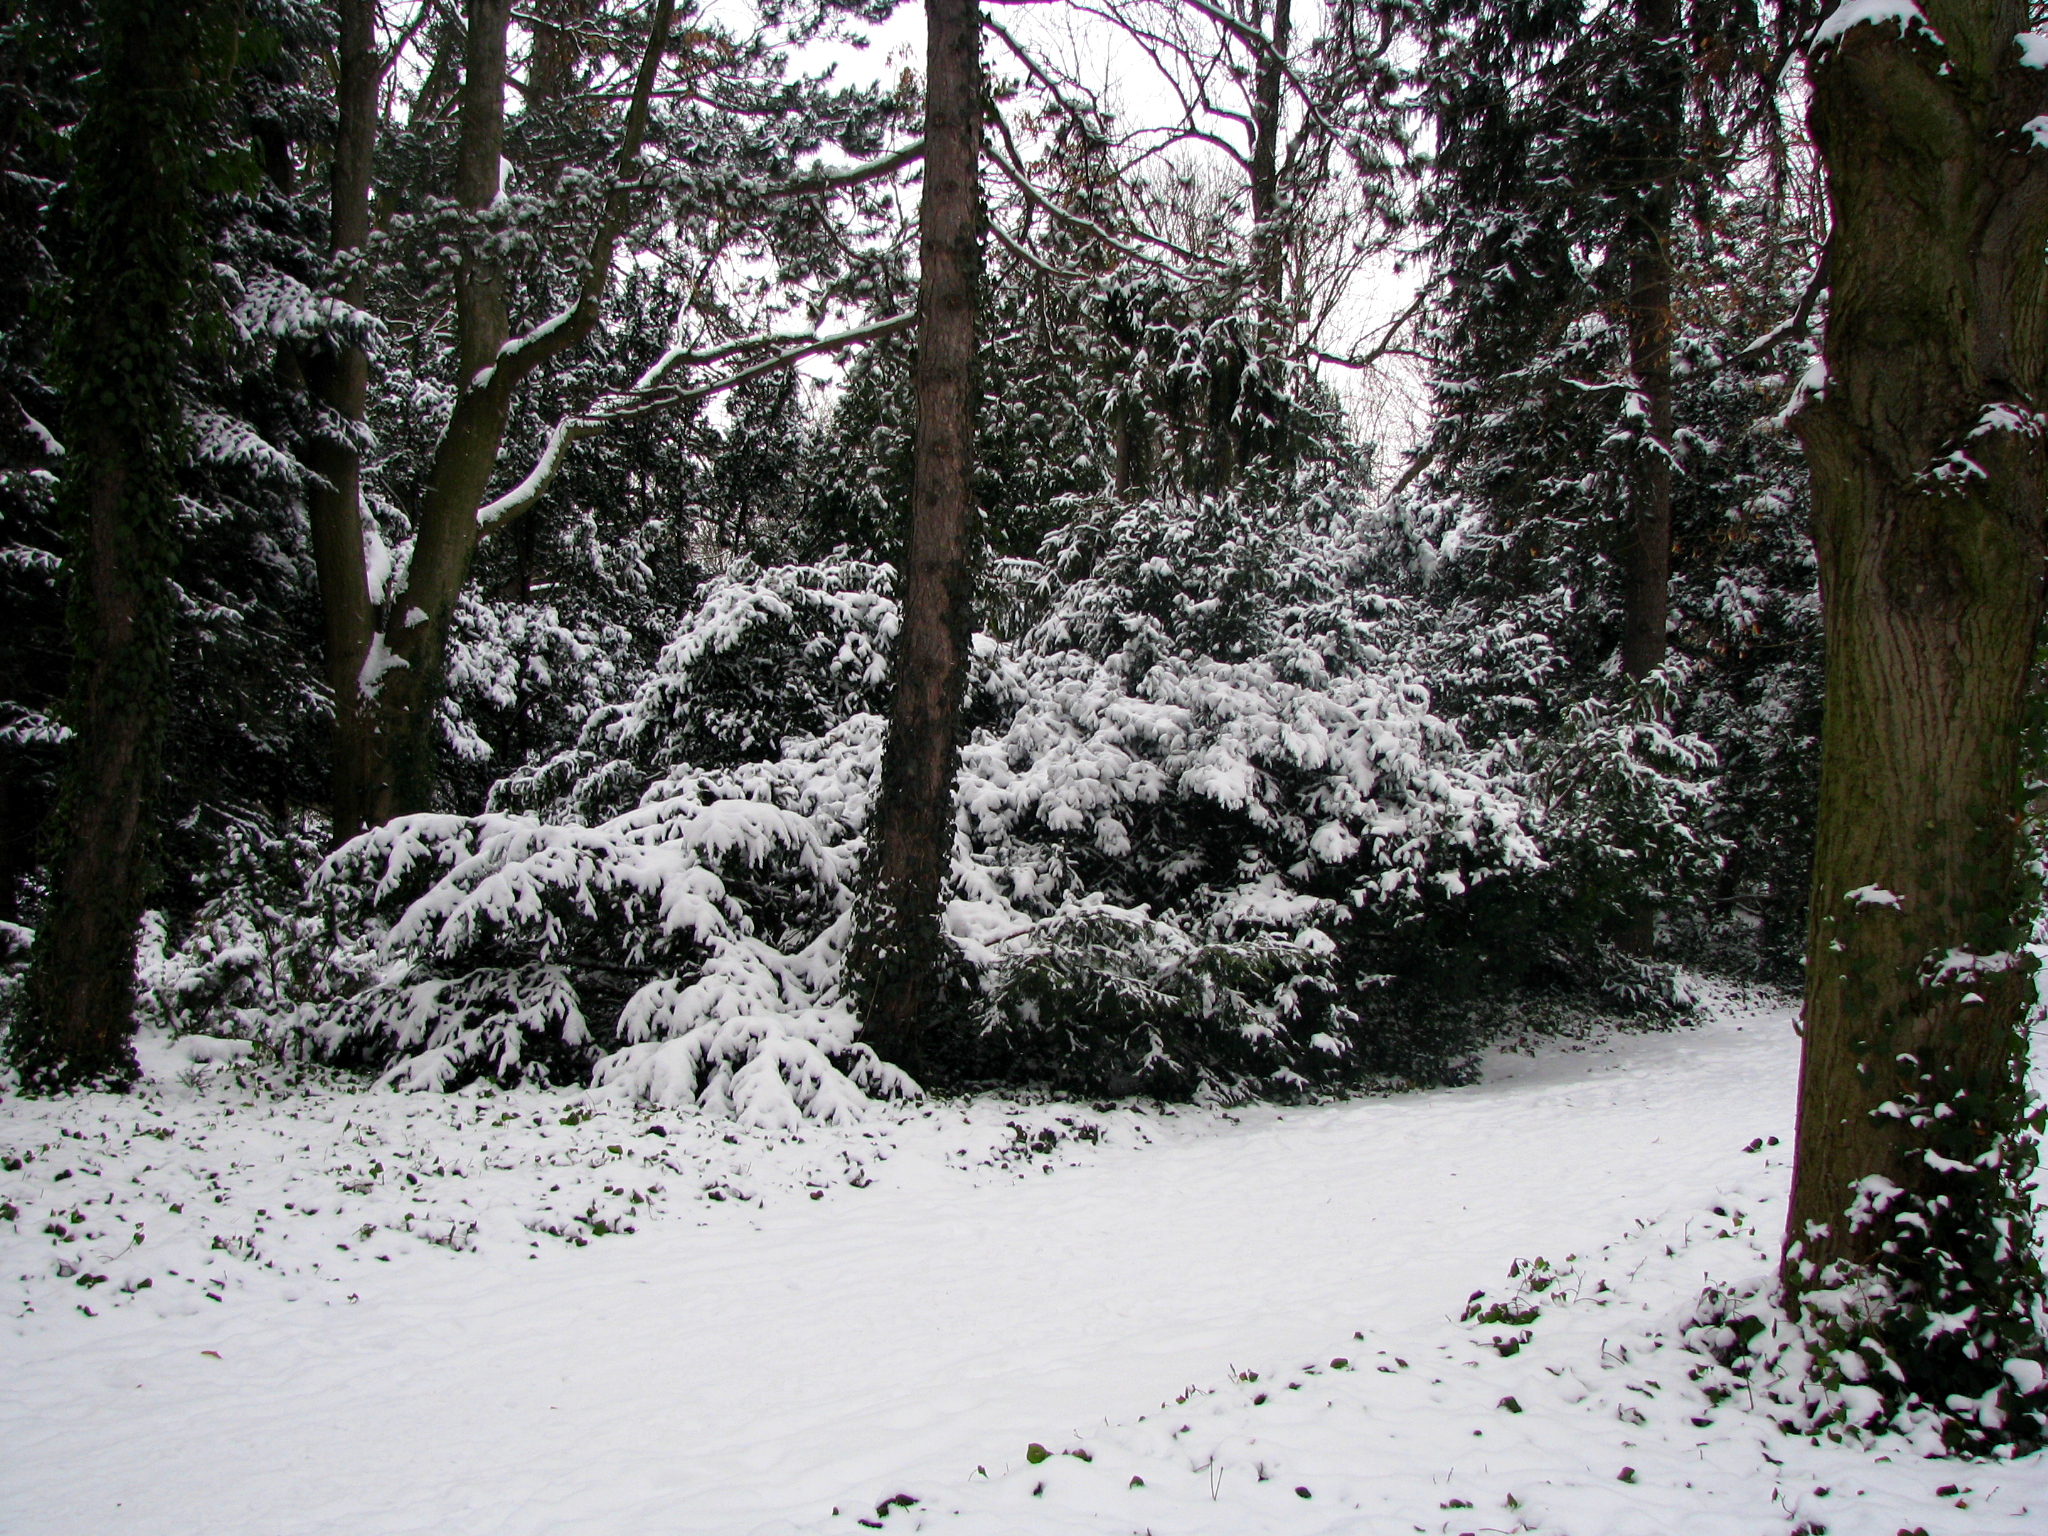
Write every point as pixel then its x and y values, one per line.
pixel 809 1329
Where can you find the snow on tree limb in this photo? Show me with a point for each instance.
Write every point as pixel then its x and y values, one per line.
pixel 652 393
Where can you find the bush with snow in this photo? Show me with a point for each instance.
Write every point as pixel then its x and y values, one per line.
pixel 1203 802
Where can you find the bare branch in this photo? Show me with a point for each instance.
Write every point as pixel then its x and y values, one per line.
pixel 1038 263
pixel 1794 328
pixel 1262 45
pixel 1024 184
pixel 1416 466
pixel 1054 88
pixel 1384 347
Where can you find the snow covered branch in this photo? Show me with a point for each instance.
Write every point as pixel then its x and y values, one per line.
pixel 840 178
pixel 651 392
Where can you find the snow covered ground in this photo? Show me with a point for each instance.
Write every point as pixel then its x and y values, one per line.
pixel 239 1303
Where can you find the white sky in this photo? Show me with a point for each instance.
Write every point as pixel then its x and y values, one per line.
pixel 1385 405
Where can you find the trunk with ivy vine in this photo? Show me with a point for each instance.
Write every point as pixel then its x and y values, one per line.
pixel 1926 445
pixel 120 346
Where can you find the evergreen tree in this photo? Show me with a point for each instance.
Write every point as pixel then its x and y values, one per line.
pixel 1603 478
pixel 42 61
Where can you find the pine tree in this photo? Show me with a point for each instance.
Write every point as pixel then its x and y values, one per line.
pixel 1603 479
pixel 42 62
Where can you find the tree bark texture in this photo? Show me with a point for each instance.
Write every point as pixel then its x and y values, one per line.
pixel 389 677
pixel 1255 425
pixel 1651 197
pixel 339 380
pixel 898 947
pixel 119 349
pixel 1269 234
pixel 1926 449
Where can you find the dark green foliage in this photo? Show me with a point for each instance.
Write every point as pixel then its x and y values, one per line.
pixel 42 62
pixel 249 717
pixel 248 720
pixel 1519 529
pixel 1105 1000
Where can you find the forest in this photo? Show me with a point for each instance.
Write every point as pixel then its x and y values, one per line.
pixel 813 571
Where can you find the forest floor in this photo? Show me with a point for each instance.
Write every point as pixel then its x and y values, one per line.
pixel 248 1300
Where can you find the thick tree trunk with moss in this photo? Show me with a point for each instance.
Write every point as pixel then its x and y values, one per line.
pixel 137 154
pixel 898 948
pixel 1925 442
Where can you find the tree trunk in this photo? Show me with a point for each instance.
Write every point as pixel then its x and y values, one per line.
pixel 119 349
pixel 898 946
pixel 340 382
pixel 397 685
pixel 1257 402
pixel 1927 456
pixel 1653 196
pixel 1269 234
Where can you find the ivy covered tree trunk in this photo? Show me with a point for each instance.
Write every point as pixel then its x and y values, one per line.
pixel 137 154
pixel 898 947
pixel 1925 441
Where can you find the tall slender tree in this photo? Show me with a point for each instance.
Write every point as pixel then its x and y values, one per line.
pixel 1925 435
pixel 898 944
pixel 1647 173
pixel 139 160
pixel 339 379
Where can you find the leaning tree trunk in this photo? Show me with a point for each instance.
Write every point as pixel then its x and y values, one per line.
pixel 137 153
pixel 399 682
pixel 898 947
pixel 1925 442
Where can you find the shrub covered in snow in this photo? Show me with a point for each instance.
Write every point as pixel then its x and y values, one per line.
pixel 1201 796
